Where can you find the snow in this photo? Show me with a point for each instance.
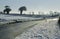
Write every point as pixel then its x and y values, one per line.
pixel 11 18
pixel 47 29
pixel 43 30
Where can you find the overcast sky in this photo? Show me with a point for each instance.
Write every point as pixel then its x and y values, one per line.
pixel 32 5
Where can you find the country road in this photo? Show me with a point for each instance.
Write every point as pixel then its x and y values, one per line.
pixel 10 31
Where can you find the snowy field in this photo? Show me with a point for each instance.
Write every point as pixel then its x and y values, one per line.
pixel 47 29
pixel 11 18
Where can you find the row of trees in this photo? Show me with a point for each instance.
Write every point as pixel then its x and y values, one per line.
pixel 8 9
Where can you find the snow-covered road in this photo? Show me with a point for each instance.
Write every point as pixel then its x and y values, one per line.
pixel 47 29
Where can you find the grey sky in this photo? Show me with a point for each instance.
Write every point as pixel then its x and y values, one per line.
pixel 32 5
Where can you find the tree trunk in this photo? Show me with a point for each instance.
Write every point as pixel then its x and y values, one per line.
pixel 7 12
pixel 4 11
pixel 20 12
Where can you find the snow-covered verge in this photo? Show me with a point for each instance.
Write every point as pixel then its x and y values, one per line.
pixel 47 29
pixel 12 18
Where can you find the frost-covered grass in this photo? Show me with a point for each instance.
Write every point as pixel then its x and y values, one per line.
pixel 47 29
